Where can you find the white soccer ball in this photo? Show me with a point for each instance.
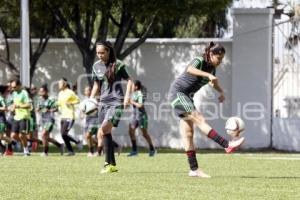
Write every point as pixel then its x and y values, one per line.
pixel 88 106
pixel 235 126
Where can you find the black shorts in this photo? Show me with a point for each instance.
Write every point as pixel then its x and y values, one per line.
pixel 182 104
pixel 66 125
pixel 9 123
pixel 20 126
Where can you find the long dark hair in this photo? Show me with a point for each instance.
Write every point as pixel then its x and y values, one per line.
pixel 141 87
pixel 111 64
pixel 216 49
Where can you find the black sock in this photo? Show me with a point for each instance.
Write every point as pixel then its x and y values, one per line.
pixel 2 147
pixel 112 151
pixel 134 147
pixel 9 146
pixel 192 160
pixel 91 149
pixel 151 147
pixel 217 138
pixel 99 149
pixel 116 145
pixel 107 145
pixel 46 149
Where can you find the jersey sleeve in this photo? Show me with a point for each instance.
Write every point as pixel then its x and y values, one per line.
pixel 74 99
pixel 97 75
pixel 197 63
pixel 122 70
pixel 140 99
pixel 2 102
pixel 25 97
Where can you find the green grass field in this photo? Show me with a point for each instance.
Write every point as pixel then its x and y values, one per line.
pixel 237 176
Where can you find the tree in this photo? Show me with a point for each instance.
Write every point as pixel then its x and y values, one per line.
pixel 42 27
pixel 87 22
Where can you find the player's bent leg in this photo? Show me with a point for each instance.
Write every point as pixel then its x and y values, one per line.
pixel 205 128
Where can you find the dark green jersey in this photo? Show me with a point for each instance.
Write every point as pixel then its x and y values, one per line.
pixel 189 84
pixel 45 105
pixel 2 113
pixel 139 98
pixel 111 94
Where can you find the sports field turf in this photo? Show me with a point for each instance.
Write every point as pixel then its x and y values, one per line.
pixel 237 176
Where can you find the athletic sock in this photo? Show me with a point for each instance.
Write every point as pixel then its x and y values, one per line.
pixel 217 138
pixel 26 150
pixel 112 152
pixel 151 147
pixel 46 149
pixel 115 145
pixel 9 146
pixel 2 146
pixel 99 149
pixel 107 144
pixel 134 147
pixel 192 160
pixel 91 149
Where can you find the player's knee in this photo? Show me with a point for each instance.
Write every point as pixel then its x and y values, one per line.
pixel 88 136
pixel 105 129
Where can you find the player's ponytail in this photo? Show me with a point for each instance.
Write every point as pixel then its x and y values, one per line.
pixel 111 64
pixel 214 48
pixel 141 87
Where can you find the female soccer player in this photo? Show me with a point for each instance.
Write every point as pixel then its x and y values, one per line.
pixel 3 109
pixel 139 119
pixel 47 106
pixel 91 124
pixel 198 73
pixel 21 107
pixel 108 73
pixel 66 101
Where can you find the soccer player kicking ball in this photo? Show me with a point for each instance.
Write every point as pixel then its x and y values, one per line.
pixel 108 73
pixel 198 73
pixel 139 119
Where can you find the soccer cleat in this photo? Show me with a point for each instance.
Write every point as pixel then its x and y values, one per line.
pixel 8 153
pixel 90 154
pixel 234 145
pixel 132 153
pixel 79 145
pixel 70 153
pixel 44 154
pixel 198 173
pixel 62 149
pixel 152 153
pixel 27 154
pixel 109 169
